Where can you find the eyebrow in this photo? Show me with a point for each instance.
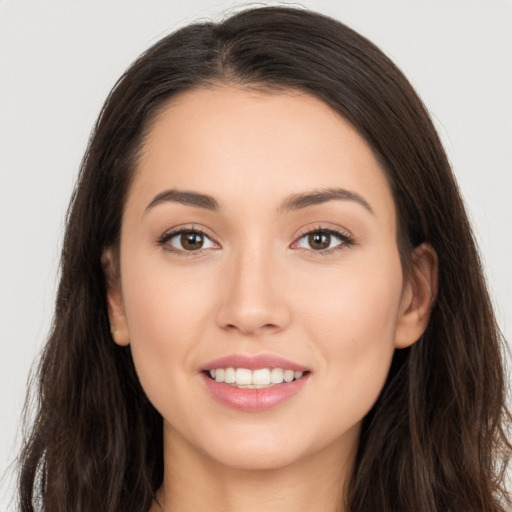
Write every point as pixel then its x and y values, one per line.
pixel 185 197
pixel 292 203
pixel 303 200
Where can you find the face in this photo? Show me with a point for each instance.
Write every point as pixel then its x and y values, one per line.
pixel 259 234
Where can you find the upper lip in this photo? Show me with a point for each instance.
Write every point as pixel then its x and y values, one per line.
pixel 254 362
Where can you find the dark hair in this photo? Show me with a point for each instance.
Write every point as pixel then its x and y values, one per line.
pixel 435 439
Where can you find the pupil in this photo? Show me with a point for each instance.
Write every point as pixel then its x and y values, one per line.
pixel 319 240
pixel 191 241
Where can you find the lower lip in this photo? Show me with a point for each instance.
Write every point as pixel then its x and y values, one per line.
pixel 254 400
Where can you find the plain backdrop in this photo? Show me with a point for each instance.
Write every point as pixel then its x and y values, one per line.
pixel 59 59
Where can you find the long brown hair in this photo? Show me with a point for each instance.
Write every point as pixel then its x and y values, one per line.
pixel 435 439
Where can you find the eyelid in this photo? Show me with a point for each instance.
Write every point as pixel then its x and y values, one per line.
pixel 320 226
pixel 347 239
pixel 171 233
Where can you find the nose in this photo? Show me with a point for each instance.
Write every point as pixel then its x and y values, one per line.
pixel 253 296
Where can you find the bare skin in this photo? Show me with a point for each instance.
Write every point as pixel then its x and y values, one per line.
pixel 257 281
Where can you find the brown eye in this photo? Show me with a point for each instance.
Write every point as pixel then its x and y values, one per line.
pixel 323 240
pixel 188 240
pixel 191 241
pixel 319 241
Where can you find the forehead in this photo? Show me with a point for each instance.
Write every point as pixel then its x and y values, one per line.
pixel 235 143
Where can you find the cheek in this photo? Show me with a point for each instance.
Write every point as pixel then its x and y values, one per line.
pixel 351 318
pixel 167 314
pixel 358 304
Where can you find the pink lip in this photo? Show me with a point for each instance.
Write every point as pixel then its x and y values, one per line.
pixel 254 400
pixel 254 362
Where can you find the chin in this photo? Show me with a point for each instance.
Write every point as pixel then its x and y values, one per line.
pixel 257 459
pixel 265 449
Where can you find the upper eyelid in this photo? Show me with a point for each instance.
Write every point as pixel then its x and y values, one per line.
pixel 304 231
pixel 338 231
pixel 321 227
pixel 170 233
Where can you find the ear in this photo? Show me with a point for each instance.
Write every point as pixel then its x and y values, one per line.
pixel 118 323
pixel 418 296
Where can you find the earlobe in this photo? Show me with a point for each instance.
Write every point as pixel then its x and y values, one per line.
pixel 418 297
pixel 116 313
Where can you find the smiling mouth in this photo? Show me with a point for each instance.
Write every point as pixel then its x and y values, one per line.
pixel 243 378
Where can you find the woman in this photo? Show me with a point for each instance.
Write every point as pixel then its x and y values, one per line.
pixel 270 293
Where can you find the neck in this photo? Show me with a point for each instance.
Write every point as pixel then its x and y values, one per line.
pixel 315 482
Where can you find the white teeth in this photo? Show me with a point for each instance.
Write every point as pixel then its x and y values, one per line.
pixel 229 376
pixel 276 375
pixel 260 378
pixel 288 376
pixel 243 376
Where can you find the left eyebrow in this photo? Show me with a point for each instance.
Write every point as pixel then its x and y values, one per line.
pixel 187 198
pixel 305 199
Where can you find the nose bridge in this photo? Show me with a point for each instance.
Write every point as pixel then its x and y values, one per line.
pixel 252 299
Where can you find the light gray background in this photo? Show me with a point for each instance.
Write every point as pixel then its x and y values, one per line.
pixel 59 59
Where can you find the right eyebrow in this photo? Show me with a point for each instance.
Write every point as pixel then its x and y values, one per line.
pixel 184 197
pixel 305 199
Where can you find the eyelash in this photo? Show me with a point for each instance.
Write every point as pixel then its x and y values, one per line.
pixel 346 239
pixel 162 241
